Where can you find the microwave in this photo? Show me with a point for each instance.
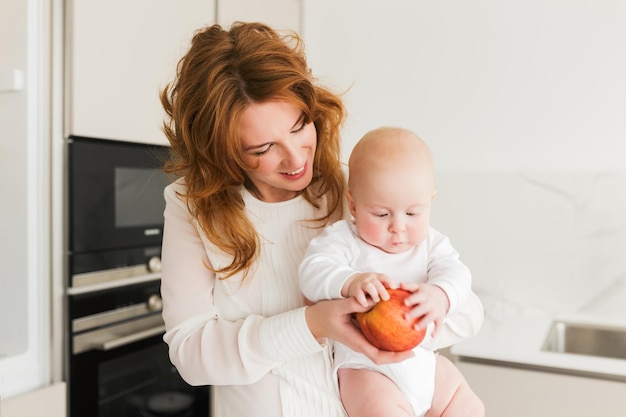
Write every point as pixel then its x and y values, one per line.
pixel 115 210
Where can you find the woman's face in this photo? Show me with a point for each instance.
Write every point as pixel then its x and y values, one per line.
pixel 280 147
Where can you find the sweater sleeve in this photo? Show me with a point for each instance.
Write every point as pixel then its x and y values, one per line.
pixel 205 348
pixel 327 263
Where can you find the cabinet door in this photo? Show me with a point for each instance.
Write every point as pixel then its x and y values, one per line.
pixel 510 392
pixel 121 54
pixel 280 14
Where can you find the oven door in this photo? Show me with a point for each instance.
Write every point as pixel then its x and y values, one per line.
pixel 119 364
pixel 135 380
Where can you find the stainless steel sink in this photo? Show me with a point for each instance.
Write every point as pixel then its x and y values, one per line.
pixel 586 339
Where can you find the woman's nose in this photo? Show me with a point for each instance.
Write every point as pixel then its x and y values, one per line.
pixel 292 156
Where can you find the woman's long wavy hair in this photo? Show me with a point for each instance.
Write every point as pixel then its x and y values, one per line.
pixel 221 74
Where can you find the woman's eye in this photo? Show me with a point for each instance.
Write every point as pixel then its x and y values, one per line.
pixel 263 150
pixel 300 127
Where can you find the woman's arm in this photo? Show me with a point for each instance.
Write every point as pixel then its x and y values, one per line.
pixel 207 349
pixel 333 319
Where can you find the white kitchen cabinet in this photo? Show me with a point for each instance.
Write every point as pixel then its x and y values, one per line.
pixel 49 401
pixel 513 392
pixel 120 55
pixel 280 14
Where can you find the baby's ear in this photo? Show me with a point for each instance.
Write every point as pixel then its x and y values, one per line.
pixel 434 194
pixel 350 200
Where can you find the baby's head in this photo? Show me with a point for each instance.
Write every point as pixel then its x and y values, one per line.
pixel 390 188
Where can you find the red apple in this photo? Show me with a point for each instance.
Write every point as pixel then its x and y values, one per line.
pixel 385 326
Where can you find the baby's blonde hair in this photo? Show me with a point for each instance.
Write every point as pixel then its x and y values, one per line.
pixel 385 148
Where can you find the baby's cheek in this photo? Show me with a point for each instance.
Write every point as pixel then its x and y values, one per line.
pixel 372 234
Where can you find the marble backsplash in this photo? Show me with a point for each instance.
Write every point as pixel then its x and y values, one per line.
pixel 549 242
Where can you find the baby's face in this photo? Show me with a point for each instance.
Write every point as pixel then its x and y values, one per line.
pixel 392 208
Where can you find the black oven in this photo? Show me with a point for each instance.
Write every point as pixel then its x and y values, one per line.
pixel 119 366
pixel 115 209
pixel 116 360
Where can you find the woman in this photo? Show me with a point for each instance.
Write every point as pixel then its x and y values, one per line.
pixel 256 146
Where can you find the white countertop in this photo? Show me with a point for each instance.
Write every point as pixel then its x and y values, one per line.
pixel 518 337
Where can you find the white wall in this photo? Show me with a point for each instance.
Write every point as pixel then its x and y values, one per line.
pixel 491 85
pixel 280 14
pixel 524 106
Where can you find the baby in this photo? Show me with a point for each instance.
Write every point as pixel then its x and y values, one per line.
pixel 388 244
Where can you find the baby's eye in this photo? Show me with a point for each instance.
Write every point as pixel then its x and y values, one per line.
pixel 381 215
pixel 411 213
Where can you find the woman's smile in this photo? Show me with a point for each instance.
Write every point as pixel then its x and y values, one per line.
pixel 297 172
pixel 280 149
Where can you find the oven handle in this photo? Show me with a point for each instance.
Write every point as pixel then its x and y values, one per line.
pixel 126 340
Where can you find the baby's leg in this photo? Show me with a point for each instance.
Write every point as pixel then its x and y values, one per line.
pixel 367 393
pixel 453 395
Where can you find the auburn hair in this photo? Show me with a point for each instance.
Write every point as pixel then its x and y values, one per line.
pixel 220 75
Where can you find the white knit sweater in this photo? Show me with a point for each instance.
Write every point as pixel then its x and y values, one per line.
pixel 249 340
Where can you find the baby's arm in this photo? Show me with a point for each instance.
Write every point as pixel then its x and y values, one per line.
pixel 448 278
pixel 448 272
pixel 430 304
pixel 363 284
pixel 327 263
pixel 448 286
pixel 462 325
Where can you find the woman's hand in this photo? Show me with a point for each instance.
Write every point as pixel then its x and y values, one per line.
pixel 333 319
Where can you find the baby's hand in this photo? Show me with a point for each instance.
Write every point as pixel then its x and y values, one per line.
pixel 364 284
pixel 429 302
